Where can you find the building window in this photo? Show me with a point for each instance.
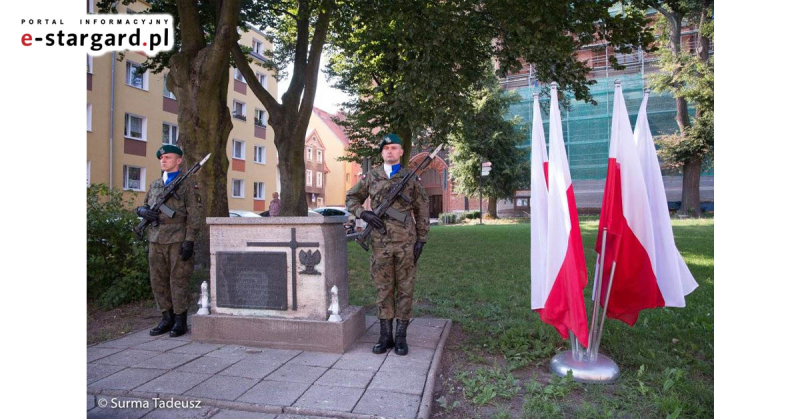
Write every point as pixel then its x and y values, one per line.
pixel 261 118
pixel 169 134
pixel 167 93
pixel 258 47
pixel 88 173
pixel 308 153
pixel 135 127
pixel 319 179
pixel 347 178
pixel 238 75
pixel 308 178
pixel 320 202
pixel 262 79
pixel 238 188
pixel 89 64
pixel 133 178
pixel 258 154
pixel 134 77
pixel 88 117
pixel 239 110
pixel 319 156
pixel 238 149
pixel 258 190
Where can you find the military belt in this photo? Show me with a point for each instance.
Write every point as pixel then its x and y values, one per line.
pixel 176 220
pixel 397 215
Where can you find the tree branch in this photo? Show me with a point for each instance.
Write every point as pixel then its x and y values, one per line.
pixel 314 59
pixel 292 95
pixel 274 108
pixel 226 33
pixel 192 39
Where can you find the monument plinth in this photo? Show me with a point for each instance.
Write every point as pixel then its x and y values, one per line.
pixel 271 281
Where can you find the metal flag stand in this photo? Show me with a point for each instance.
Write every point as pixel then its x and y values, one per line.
pixel 586 364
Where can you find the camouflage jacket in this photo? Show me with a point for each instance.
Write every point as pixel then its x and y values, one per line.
pixel 186 203
pixel 375 185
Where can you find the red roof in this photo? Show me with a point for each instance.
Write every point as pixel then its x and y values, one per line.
pixel 337 130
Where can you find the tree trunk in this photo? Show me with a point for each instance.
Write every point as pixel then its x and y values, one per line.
pixel 492 208
pixel 405 134
pixel 292 168
pixel 690 196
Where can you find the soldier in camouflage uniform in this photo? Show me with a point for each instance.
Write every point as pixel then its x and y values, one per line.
pixel 395 253
pixel 171 248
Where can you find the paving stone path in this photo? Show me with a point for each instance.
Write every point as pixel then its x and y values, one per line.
pixel 140 376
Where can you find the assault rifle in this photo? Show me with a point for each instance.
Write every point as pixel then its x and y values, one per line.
pixel 160 205
pixel 394 193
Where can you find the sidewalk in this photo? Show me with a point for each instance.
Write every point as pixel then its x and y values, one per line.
pixel 161 377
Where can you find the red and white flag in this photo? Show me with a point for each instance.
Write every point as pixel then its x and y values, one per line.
pixel 673 276
pixel 631 240
pixel 538 203
pixel 565 271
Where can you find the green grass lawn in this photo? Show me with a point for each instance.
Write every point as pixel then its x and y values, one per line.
pixel 479 276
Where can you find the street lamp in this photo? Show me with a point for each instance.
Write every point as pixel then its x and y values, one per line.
pixel 486 167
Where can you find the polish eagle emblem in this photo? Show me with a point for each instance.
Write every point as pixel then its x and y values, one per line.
pixel 310 260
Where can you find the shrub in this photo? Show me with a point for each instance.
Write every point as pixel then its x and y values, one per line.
pixel 116 262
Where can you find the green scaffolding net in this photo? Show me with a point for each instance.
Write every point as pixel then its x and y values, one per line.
pixel 587 127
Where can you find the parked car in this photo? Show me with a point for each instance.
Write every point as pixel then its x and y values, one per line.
pixel 349 225
pixel 241 213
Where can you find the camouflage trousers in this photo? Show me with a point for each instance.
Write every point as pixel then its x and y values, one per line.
pixel 393 271
pixel 169 276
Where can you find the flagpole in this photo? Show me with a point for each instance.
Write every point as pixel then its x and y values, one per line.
pixel 596 291
pixel 593 350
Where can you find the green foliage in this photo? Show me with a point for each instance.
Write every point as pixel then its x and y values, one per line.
pixel 117 271
pixel 485 135
pixel 411 64
pixel 483 385
pixel 545 400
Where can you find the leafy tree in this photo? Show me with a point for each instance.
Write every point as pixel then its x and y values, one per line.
pixel 690 78
pixel 484 134
pixel 411 64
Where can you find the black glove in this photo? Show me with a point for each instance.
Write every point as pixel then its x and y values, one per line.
pixel 372 219
pixel 418 250
pixel 146 213
pixel 187 250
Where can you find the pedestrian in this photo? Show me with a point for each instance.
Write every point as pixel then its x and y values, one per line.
pixel 171 247
pixel 274 205
pixel 395 253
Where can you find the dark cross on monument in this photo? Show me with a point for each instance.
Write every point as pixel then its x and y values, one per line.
pixel 293 244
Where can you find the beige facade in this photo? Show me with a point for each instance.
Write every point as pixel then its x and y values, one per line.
pixel 129 117
pixel 340 176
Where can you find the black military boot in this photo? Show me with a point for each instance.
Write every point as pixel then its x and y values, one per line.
pixel 166 323
pixel 180 326
pixel 385 341
pixel 401 347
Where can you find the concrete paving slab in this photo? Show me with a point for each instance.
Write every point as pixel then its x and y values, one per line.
pixel 290 416
pixel 208 365
pixel 230 352
pixel 197 348
pixel 368 338
pixel 330 398
pixel 119 408
pixel 405 365
pixel 345 378
pixel 275 393
pixel 416 355
pixel 255 368
pixel 421 342
pixel 238 414
pixel 90 402
pixel 95 372
pixel 166 361
pixel 126 379
pixel 440 323
pixel 425 332
pixel 161 344
pixel 173 382
pixel 222 387
pixel 128 341
pixel 361 348
pixel 398 382
pixel 316 359
pixel 297 373
pixel 370 320
pixel 201 413
pixel 278 355
pixel 388 404
pixel 93 353
pixel 360 361
pixel 127 357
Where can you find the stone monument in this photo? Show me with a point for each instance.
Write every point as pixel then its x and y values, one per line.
pixel 270 283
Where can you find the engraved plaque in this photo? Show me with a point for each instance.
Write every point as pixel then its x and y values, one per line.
pixel 251 280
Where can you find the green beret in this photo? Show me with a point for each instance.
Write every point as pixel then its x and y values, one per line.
pixel 391 139
pixel 166 149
